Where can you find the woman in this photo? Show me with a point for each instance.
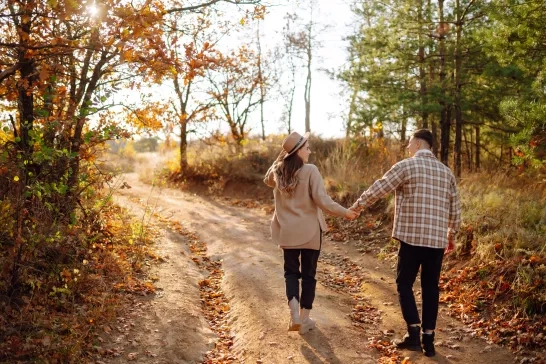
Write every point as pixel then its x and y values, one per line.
pixel 298 223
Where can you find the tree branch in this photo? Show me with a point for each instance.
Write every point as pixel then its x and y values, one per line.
pixel 14 126
pixel 209 3
pixel 9 71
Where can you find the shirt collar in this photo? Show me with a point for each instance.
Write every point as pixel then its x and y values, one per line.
pixel 423 152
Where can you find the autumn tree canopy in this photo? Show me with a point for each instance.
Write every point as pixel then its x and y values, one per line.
pixel 61 61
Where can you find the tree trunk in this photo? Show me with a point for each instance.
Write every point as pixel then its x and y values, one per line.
pixel 444 113
pixel 307 95
pixel 261 80
pixel 26 99
pixel 477 152
pixel 352 109
pixel 183 146
pixel 434 128
pixel 458 87
pixel 445 135
pixel 291 104
pixel 76 139
pixel 237 136
pixel 403 128
pixel 24 145
pixel 422 73
pixel 183 97
pixel 458 137
pixel 467 145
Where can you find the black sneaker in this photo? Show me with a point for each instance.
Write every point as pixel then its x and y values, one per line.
pixel 410 341
pixel 428 344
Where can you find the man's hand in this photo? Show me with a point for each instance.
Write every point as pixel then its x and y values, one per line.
pixel 351 214
pixel 450 245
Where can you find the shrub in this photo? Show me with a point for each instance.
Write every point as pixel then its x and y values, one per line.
pixel 350 168
pixel 504 219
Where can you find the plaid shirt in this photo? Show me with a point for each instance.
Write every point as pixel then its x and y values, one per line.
pixel 427 203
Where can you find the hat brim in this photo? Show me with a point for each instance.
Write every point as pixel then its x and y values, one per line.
pixel 300 144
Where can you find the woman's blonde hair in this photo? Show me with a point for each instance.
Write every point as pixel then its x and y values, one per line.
pixel 285 172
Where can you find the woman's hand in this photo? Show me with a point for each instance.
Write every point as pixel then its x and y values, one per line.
pixel 351 214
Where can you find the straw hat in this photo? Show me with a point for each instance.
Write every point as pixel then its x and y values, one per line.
pixel 293 142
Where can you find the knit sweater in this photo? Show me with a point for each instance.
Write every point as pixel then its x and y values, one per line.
pixel 298 220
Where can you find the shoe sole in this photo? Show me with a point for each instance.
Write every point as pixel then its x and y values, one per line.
pixel 294 327
pixel 306 330
pixel 410 348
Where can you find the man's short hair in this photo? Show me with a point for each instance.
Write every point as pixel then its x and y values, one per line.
pixel 426 135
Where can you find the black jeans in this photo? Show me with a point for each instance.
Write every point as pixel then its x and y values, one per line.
pixel 410 258
pixel 292 275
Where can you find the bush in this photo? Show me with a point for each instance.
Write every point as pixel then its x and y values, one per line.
pixel 500 217
pixel 350 168
pixel 213 162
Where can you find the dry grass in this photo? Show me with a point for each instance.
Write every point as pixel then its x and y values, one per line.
pixel 215 165
pixel 505 213
pixel 351 168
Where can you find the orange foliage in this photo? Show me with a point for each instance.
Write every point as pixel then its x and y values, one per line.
pixel 146 117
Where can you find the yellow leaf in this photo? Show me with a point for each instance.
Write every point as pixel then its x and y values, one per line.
pixel 16 178
pixel 242 21
pixel 127 56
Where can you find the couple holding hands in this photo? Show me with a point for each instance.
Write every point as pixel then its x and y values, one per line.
pixel 426 219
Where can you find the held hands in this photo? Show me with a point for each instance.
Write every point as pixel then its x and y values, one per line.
pixel 351 214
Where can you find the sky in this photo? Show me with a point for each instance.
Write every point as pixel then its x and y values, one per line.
pixel 328 105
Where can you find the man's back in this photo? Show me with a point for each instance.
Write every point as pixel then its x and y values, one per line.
pixel 426 201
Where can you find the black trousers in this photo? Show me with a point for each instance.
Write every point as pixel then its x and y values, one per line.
pixel 293 274
pixel 410 258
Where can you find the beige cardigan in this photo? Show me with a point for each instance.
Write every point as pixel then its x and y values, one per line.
pixel 297 220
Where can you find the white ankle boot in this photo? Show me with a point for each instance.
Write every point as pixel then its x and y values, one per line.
pixel 295 321
pixel 307 323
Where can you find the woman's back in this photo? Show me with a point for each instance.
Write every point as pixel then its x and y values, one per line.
pixel 298 216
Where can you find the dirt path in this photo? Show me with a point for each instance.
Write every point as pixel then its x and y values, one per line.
pixel 169 327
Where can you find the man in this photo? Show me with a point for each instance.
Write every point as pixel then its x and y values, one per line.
pixel 426 219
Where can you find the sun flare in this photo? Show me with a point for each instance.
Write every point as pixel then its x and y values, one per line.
pixel 93 10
